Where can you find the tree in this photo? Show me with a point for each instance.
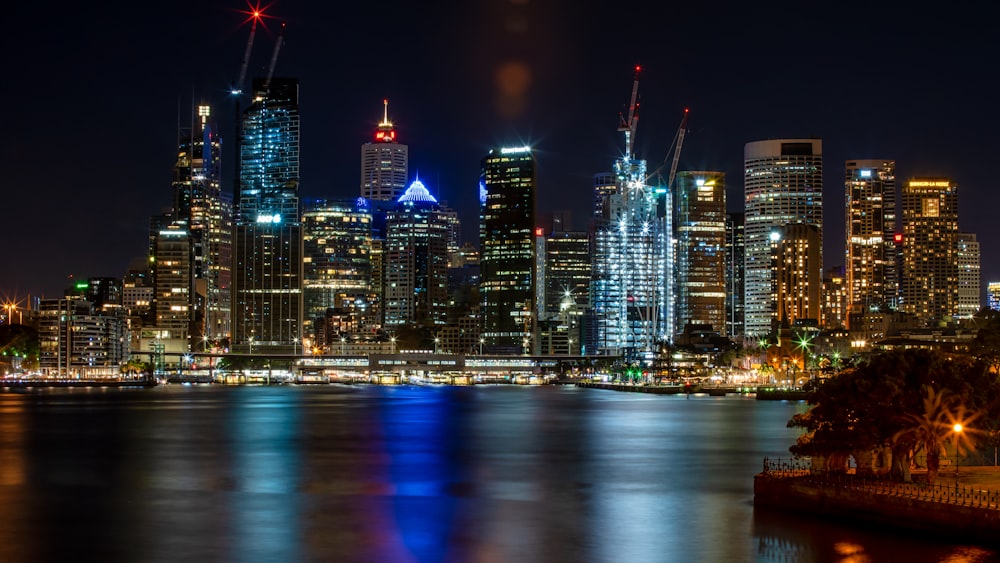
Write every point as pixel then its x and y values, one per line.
pixel 863 410
pixel 930 429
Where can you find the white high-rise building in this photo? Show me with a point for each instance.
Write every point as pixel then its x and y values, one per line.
pixel 384 163
pixel 967 257
pixel 783 184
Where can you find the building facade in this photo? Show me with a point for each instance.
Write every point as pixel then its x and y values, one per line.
pixel 870 202
pixel 734 273
pixel 337 264
pixel 930 243
pixel 700 235
pixel 507 249
pixel 267 261
pixel 416 261
pixel 783 184
pixel 968 257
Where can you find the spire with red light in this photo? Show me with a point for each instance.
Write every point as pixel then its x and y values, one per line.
pixel 385 133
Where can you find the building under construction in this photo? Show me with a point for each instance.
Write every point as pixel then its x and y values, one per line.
pixel 631 292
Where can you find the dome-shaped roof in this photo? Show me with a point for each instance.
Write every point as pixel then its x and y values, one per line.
pixel 417 192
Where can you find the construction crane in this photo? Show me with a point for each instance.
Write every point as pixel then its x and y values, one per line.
pixel 676 145
pixel 274 57
pixel 629 125
pixel 255 16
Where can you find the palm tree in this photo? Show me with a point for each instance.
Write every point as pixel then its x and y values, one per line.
pixel 931 429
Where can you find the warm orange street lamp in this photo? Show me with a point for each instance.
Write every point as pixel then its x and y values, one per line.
pixel 957 429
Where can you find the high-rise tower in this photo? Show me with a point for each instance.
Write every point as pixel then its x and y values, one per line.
pixel 267 269
pixel 930 237
pixel 507 249
pixel 870 202
pixel 384 163
pixel 206 214
pixel 968 259
pixel 734 273
pixel 632 265
pixel 416 260
pixel 783 184
pixel 700 232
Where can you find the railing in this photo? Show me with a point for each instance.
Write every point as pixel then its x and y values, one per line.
pixel 934 492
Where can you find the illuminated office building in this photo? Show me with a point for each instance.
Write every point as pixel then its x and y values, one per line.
pixel 206 213
pixel 797 273
pixel 870 202
pixel 507 249
pixel 930 242
pixel 383 163
pixel 783 184
pixel 267 261
pixel 416 261
pixel 967 256
pixel 336 264
pixel 700 255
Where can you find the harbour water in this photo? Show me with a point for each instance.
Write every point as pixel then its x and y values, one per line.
pixel 408 474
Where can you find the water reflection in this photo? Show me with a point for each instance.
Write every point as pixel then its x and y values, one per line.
pixel 407 474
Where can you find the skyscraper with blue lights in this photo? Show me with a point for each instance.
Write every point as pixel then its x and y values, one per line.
pixel 267 261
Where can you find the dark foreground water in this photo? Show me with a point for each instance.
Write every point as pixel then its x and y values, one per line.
pixel 479 474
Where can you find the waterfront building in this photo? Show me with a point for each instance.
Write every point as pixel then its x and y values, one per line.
pixel 267 262
pixel 929 280
pixel 734 273
pixel 336 264
pixel 172 287
pixel 384 162
pixel 416 261
pixel 967 257
pixel 507 249
pixel 783 184
pixel 700 255
pixel 631 289
pixel 77 340
pixel 870 202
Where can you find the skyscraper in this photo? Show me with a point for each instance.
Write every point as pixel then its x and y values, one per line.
pixel 383 163
pixel 267 269
pixel 930 240
pixel 783 184
pixel 632 264
pixel 507 249
pixel 797 273
pixel 967 257
pixel 870 201
pixel 336 269
pixel 416 261
pixel 206 214
pixel 700 234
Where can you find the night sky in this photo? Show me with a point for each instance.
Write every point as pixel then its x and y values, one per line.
pixel 92 95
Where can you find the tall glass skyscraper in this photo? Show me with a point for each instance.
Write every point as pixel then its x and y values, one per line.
pixel 870 200
pixel 700 232
pixel 507 249
pixel 267 269
pixel 783 184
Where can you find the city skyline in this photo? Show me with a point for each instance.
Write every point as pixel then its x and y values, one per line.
pixel 89 155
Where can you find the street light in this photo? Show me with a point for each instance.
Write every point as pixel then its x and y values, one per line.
pixel 481 342
pixel 392 339
pixel 436 342
pixel 957 429
pixel 343 342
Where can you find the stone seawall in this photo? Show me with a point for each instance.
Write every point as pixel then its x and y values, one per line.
pixel 890 507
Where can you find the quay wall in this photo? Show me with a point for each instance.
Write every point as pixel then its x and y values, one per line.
pixel 967 514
